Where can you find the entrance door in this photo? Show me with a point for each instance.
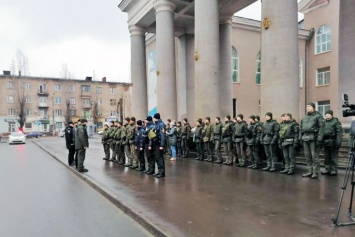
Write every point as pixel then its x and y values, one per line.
pixel 45 128
pixel 11 127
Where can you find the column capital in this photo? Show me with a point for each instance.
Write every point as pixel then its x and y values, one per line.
pixel 164 5
pixel 136 30
pixel 225 20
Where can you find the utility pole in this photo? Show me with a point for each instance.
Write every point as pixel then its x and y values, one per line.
pixel 53 126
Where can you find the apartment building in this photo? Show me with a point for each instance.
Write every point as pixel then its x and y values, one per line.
pixel 49 103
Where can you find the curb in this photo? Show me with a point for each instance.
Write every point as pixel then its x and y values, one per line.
pixel 146 224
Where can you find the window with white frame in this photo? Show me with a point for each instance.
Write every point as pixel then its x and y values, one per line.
pixel 99 101
pixel 235 66
pixel 113 90
pixel 72 112
pixel 57 87
pixel 59 125
pixel 258 68
pixel 28 99
pixel 71 88
pixel 98 90
pixel 57 100
pixel 42 100
pixel 323 106
pixel 300 73
pixel 85 88
pixel 11 112
pixel 86 114
pixel 323 39
pixel 86 101
pixel 43 112
pixel 113 113
pixel 42 88
pixel 28 112
pixel 72 100
pixel 10 99
pixel 323 76
pixel 10 85
pixel 27 86
pixel 58 112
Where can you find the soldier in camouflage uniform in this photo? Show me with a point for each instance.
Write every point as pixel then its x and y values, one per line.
pixel 311 133
pixel 333 134
pixel 217 137
pixel 105 140
pixel 288 140
pixel 119 147
pixel 124 140
pixel 198 139
pixel 167 148
pixel 112 132
pixel 252 136
pixel 185 135
pixel 269 138
pixel 239 131
pixel 207 132
pixel 227 132
pixel 131 133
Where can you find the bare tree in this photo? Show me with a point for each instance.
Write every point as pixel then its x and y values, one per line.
pixel 67 114
pixel 21 104
pixel 12 67
pixel 65 73
pixel 95 111
pixel 22 62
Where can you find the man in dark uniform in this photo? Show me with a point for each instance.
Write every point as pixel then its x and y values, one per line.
pixel 185 135
pixel 251 137
pixel 269 138
pixel 198 139
pixel 105 140
pixel 239 132
pixel 81 144
pixel 157 144
pixel 140 140
pixel 149 125
pixel 333 134
pixel 119 148
pixel 207 133
pixel 227 132
pixel 70 142
pixel 217 137
pixel 178 144
pixel 311 133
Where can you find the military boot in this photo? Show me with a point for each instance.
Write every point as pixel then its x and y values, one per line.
pixel 284 171
pixel 267 168
pixel 210 159
pixel 290 172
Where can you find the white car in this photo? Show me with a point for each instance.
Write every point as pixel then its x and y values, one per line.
pixel 17 137
pixel 61 133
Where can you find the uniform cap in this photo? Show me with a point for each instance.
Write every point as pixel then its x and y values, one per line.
pixel 157 116
pixel 139 123
pixel 70 122
pixel 149 118
pixel 252 117
pixel 240 116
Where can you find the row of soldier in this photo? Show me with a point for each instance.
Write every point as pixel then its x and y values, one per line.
pixel 131 140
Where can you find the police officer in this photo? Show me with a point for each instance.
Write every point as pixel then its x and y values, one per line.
pixel 105 140
pixel 157 144
pixel 207 132
pixel 198 139
pixel 288 140
pixel 185 135
pixel 311 133
pixel 227 133
pixel 217 137
pixel 252 135
pixel 140 141
pixel 149 125
pixel 239 132
pixel 333 133
pixel 70 142
pixel 269 138
pixel 81 144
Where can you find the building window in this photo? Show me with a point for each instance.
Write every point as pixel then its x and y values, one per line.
pixel 11 112
pixel 43 112
pixel 58 112
pixel 258 68
pixel 113 113
pixel 72 112
pixel 86 114
pixel 323 39
pixel 99 113
pixel 28 99
pixel 323 106
pixel 99 125
pixel 112 90
pixel 86 101
pixel 112 101
pixel 42 100
pixel 98 90
pixel 10 85
pixel 27 86
pixel 72 100
pixel 28 125
pixel 235 66
pixel 59 125
pixel 28 112
pixel 71 88
pixel 57 87
pixel 10 99
pixel 300 73
pixel 99 101
pixel 57 100
pixel 85 88
pixel 323 76
pixel 42 88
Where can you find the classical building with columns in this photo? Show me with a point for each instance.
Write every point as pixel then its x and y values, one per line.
pixel 194 58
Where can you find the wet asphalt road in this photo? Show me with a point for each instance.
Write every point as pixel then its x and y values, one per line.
pixel 40 197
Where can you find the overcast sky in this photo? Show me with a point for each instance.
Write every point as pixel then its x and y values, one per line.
pixel 90 36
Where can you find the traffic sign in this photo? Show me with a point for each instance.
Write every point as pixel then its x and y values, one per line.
pixel 38 123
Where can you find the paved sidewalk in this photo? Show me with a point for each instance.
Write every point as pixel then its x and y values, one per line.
pixel 204 199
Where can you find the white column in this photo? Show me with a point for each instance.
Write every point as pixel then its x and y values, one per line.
pixel 279 58
pixel 225 73
pixel 139 103
pixel 181 85
pixel 165 40
pixel 207 88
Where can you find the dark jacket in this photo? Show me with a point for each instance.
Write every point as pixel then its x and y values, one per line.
pixel 140 138
pixel 198 134
pixel 252 133
pixel 159 130
pixel 333 132
pixel 239 131
pixel 270 132
pixel 172 136
pixel 70 137
pixel 81 137
pixel 217 131
pixel 288 133
pixel 312 127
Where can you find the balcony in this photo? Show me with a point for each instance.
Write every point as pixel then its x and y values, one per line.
pixel 43 105
pixel 42 92
pixel 86 106
pixel 85 94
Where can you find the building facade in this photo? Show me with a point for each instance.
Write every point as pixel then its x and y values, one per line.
pixel 278 65
pixel 50 103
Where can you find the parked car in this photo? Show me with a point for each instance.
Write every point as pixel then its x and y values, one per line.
pixel 17 137
pixel 34 134
pixel 61 133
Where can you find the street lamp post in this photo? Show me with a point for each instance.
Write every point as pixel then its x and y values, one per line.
pixel 53 126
